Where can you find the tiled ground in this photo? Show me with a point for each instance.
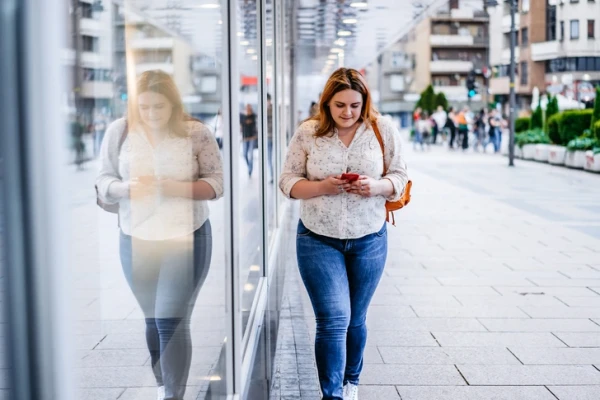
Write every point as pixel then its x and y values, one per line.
pixel 491 290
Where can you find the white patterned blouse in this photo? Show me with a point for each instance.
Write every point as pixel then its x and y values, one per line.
pixel 191 158
pixel 347 215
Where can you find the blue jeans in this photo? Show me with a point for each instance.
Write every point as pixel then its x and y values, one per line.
pixel 249 146
pixel 340 276
pixel 165 277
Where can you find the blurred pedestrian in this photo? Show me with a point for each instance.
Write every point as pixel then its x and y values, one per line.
pixel 99 129
pixel 423 130
pixel 463 127
pixel 451 125
pixel 217 126
pixel 161 167
pixel 249 136
pixel 77 142
pixel 341 237
pixel 479 129
pixel 440 118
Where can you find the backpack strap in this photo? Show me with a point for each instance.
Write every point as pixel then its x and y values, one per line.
pixel 380 140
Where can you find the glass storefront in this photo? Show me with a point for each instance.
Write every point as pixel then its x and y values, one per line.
pixel 140 218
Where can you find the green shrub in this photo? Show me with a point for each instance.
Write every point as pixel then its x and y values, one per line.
pixel 440 100
pixel 522 124
pixel 596 150
pixel 596 113
pixel 551 109
pixel 427 100
pixel 533 136
pixel 573 123
pixel 537 118
pixel 597 130
pixel 553 129
pixel 582 144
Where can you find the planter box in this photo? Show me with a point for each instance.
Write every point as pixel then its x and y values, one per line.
pixel 575 159
pixel 556 155
pixel 528 151
pixel 592 162
pixel 518 152
pixel 541 152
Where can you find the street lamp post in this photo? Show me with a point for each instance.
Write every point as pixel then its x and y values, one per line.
pixel 512 101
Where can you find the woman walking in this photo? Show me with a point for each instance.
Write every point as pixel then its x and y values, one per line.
pixel 341 236
pixel 161 168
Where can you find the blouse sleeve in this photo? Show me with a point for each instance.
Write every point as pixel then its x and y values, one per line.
pixel 393 159
pixel 294 168
pixel 109 161
pixel 210 164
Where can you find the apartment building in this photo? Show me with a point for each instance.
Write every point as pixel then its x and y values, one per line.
pixel 440 50
pixel 557 49
pixel 570 50
pixel 88 56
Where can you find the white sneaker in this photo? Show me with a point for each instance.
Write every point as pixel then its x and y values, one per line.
pixel 350 391
pixel 161 393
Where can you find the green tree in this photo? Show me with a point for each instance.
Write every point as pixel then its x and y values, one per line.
pixel 537 118
pixel 427 100
pixel 440 100
pixel 596 113
pixel 551 109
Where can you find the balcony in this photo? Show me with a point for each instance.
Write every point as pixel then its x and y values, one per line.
pixel 506 55
pixel 506 22
pixel 90 26
pixel 88 59
pixel 158 43
pixel 97 90
pixel 450 66
pixel 500 85
pixel 456 93
pixel 169 68
pixel 545 50
pixel 451 40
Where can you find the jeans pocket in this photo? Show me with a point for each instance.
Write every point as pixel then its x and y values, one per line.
pixel 382 231
pixel 302 230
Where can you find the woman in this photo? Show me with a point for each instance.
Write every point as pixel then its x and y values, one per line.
pixel 249 136
pixel 161 167
pixel 342 237
pixel 451 125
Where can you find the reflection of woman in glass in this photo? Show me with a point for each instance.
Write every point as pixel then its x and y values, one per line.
pixel 342 238
pixel 249 136
pixel 161 167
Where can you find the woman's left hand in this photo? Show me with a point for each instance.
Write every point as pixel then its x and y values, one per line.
pixel 365 186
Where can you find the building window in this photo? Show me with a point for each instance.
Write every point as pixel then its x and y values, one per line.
pixel 524 6
pixel 89 43
pixel 397 82
pixel 574 29
pixel 524 37
pixel 591 28
pixel 523 73
pixel 562 30
pixel 550 22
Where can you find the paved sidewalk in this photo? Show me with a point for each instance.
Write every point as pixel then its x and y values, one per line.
pixel 491 290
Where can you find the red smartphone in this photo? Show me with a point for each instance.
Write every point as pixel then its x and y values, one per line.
pixel 350 177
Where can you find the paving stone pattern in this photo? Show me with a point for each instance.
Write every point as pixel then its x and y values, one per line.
pixel 491 289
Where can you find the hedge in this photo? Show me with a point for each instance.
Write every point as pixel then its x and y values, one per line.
pixel 533 136
pixel 573 123
pixel 522 124
pixel 553 129
pixel 597 130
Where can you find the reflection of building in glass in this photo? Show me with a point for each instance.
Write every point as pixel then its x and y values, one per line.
pixel 89 58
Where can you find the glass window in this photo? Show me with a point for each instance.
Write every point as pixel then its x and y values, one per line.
pixel 269 83
pixel 397 82
pixel 149 281
pixel 550 22
pixel 562 30
pixel 590 28
pixel 523 73
pixel 524 6
pixel 524 37
pixel 575 29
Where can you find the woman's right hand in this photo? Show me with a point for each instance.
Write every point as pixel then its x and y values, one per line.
pixel 334 185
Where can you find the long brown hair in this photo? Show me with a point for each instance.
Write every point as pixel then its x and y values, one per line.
pixel 342 79
pixel 158 81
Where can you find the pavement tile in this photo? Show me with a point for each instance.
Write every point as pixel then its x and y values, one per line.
pixel 474 393
pixel 484 281
pixel 496 339
pixel 110 377
pixel 580 301
pixel 557 356
pixel 539 325
pixel 386 310
pixel 379 338
pixel 573 339
pixel 576 392
pixel 530 374
pixel 425 324
pixel 469 312
pixel 562 312
pixel 447 355
pixel 100 394
pixel 511 300
pixel 566 282
pixel 394 374
pixel 114 358
pixel 367 392
pixel 447 290
pixel 381 300
pixel 547 290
